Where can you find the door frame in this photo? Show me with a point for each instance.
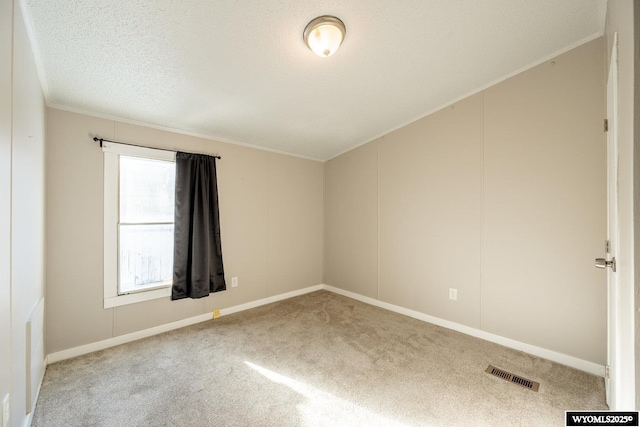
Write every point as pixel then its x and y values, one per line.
pixel 613 327
pixel 620 338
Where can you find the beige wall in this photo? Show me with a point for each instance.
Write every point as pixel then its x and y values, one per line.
pixel 270 213
pixel 545 206
pixel 500 196
pixel 351 221
pixel 620 14
pixel 430 213
pixel 6 31
pixel 22 202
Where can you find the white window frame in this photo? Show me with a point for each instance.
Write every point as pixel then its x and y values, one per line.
pixel 112 152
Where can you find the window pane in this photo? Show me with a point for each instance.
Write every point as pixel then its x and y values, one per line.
pixel 147 190
pixel 145 256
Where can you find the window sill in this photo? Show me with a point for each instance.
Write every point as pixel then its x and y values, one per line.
pixel 119 300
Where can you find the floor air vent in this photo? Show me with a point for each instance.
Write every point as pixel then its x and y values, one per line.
pixel 523 382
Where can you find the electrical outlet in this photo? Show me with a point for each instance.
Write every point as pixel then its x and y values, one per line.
pixel 453 294
pixel 234 282
pixel 216 313
pixel 5 411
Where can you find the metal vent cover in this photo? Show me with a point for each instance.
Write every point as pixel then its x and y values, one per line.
pixel 523 382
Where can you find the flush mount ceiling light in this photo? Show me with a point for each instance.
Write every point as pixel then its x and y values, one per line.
pixel 324 35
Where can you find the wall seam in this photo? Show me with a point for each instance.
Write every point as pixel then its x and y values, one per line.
pixel 378 218
pixel 45 233
pixel 482 207
pixel 266 255
pixel 13 29
pixel 324 222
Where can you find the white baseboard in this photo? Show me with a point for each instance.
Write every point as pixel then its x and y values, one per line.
pixel 122 339
pixel 573 362
pixel 269 300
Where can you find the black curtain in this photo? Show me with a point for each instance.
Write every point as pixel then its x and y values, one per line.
pixel 197 259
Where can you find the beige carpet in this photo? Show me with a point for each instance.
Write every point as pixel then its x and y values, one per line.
pixel 316 360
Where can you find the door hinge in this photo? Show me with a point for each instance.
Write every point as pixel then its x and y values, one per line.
pixel 606 125
pixel 607 372
pixel 607 246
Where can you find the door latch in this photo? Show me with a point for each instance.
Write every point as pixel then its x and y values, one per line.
pixel 603 263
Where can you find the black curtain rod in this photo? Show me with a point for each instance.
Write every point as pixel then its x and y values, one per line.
pixel 101 140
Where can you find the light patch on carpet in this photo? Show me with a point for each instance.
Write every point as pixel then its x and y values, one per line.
pixel 322 408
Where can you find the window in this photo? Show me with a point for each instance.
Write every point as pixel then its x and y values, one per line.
pixel 139 190
pixel 145 228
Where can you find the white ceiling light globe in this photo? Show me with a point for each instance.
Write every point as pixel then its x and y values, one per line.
pixel 324 35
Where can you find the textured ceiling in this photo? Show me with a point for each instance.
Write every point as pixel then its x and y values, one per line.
pixel 239 71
